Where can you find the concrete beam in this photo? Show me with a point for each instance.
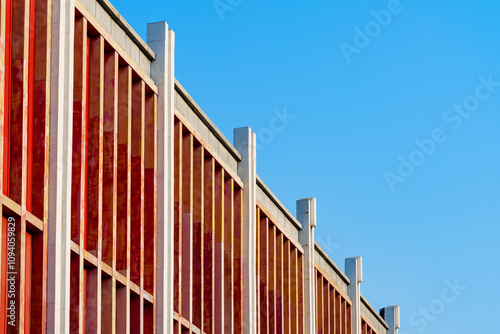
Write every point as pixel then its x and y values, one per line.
pixel 306 215
pixel 354 271
pixel 391 316
pixel 61 138
pixel 245 143
pixel 162 40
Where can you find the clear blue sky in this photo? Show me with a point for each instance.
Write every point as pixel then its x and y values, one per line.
pixel 355 122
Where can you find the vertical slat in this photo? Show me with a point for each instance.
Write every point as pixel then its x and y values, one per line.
pixel 150 205
pixel 198 235
pixel 319 303
pixel 264 275
pixel 300 280
pixel 3 51
pixel 177 215
pixel 41 108
pixel 348 318
pixel 109 185
pixel 279 283
pixel 40 194
pixel 228 255
pixel 338 313
pixel 6 105
pixel 123 219
pixel 79 170
pixel 187 226
pixel 272 276
pixel 28 284
pixel 332 310
pixel 219 250
pixel 3 270
pixel 294 314
pixel 257 269
pixel 19 100
pixel 326 301
pixel 286 286
pixel 209 247
pixel 238 265
pixel 95 141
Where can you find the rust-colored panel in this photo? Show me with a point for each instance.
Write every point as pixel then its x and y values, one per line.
pixel 93 300
pixel 348 318
pixel 177 214
pixel 294 282
pixel 79 126
pixel 137 184
pixel 209 244
pixel 149 318
pixel 187 227
pixel 219 250
pixel 301 313
pixel 5 80
pixel 3 272
pixel 75 304
pixel 331 315
pixel 257 268
pixel 286 287
pixel 123 168
pixel 121 310
pixel 238 264
pixel 107 314
pixel 228 255
pixel 272 276
pixel 136 320
pixel 326 310
pixel 38 286
pixel 338 313
pixel 95 141
pixel 319 303
pixel 198 235
pixel 109 184
pixel 19 100
pixel 150 194
pixel 27 186
pixel 263 271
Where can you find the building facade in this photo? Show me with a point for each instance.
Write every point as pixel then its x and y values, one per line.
pixel 124 208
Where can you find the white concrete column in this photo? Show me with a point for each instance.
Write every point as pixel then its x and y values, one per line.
pixel 354 271
pixel 245 143
pixel 61 139
pixel 391 316
pixel 306 215
pixel 162 40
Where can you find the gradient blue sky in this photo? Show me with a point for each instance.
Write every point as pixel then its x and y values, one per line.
pixel 353 120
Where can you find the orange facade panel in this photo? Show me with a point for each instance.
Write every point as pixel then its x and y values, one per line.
pixel 113 194
pixel 333 308
pixel 24 132
pixel 207 240
pixel 280 279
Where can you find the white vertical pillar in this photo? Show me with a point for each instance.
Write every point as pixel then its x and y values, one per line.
pixel 162 40
pixel 354 271
pixel 391 316
pixel 61 139
pixel 245 143
pixel 306 215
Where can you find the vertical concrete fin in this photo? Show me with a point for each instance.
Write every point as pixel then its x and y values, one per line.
pixel 306 215
pixel 354 271
pixel 61 139
pixel 391 316
pixel 162 40
pixel 245 143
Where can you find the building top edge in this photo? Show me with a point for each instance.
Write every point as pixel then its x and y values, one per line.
pixel 277 202
pixel 206 120
pixel 374 312
pixel 134 36
pixel 331 263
